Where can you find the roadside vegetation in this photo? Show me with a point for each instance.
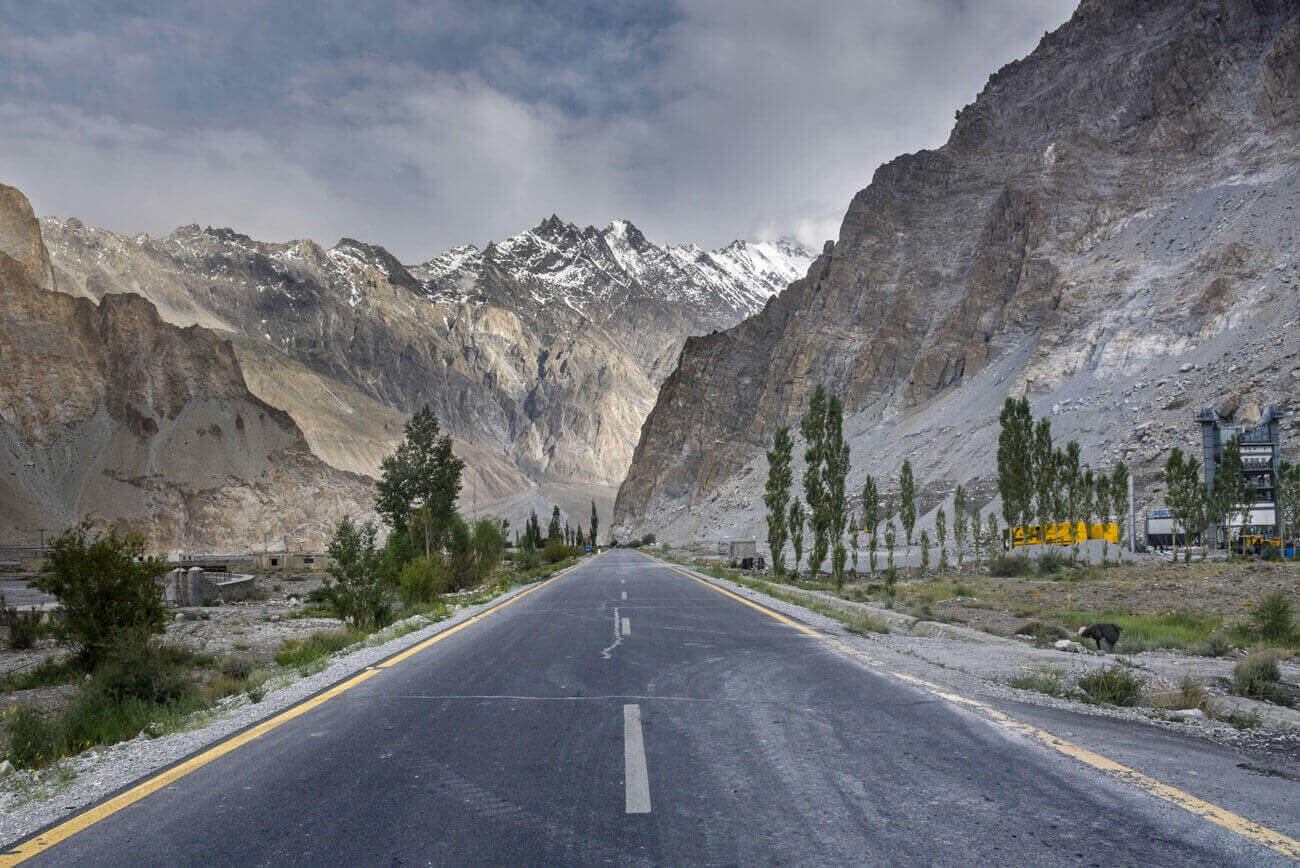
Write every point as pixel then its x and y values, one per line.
pixel 126 680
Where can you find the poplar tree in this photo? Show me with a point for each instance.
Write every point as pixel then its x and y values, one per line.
pixel 776 497
pixel 796 520
pixel 925 551
pixel 1044 475
pixel 1071 477
pixel 813 428
pixel 835 473
pixel 1015 461
pixel 1233 494
pixel 554 530
pixel 1287 499
pixel 959 523
pixel 1119 499
pixel 907 500
pixel 595 525
pixel 941 532
pixel 891 574
pixel 1102 503
pixel 871 517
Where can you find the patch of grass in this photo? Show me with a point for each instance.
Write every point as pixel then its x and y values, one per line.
pixel 1214 645
pixel 304 654
pixel 48 673
pixel 1258 677
pixel 1116 685
pixel 1048 680
pixel 1043 631
pixel 1190 694
pixel 864 624
pixel 1175 630
pixel 1051 563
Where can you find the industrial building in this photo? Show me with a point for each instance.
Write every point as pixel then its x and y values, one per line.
pixel 1261 458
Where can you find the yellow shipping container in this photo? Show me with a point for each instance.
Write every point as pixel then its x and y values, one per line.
pixel 1063 533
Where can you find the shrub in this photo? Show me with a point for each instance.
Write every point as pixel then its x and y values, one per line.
pixel 22 628
pixel 147 671
pixel 1215 645
pixel 1047 681
pixel 475 552
pixel 106 588
pixel 1052 562
pixel 1257 677
pixel 1114 686
pixel 1010 567
pixel 423 580
pixel 1192 692
pixel 304 652
pixel 1272 617
pixel 235 666
pixel 556 551
pixel 358 591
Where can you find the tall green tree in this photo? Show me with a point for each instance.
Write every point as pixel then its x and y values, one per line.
pixel 941 535
pixel 1070 474
pixel 871 517
pixel 1102 504
pixel 1288 501
pixel 907 500
pixel 554 530
pixel 359 590
pixel 959 523
pixel 1044 474
pixel 1180 498
pixel 835 474
pixel 891 538
pixel 1234 496
pixel 797 520
pixel 925 551
pixel 1015 462
pixel 595 527
pixel 813 428
pixel 423 471
pixel 776 496
pixel 1119 498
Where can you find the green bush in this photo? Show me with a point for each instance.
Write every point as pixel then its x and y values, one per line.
pixel 1272 617
pixel 235 666
pixel 106 588
pixel 359 591
pixel 302 653
pixel 556 551
pixel 1215 645
pixel 1010 567
pixel 147 671
pixel 1052 562
pixel 22 629
pixel 1257 677
pixel 1114 686
pixel 423 580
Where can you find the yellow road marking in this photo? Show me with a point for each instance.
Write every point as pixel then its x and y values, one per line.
pixel 44 841
pixel 1274 840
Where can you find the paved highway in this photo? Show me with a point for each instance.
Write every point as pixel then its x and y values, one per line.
pixel 628 713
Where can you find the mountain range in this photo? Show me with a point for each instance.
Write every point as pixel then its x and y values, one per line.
pixel 1110 229
pixel 541 354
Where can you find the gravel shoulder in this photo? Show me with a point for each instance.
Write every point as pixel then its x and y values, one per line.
pixel 30 801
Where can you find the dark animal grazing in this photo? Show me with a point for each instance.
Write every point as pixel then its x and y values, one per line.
pixel 1099 633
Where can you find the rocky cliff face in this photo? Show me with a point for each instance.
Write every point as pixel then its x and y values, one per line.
pixel 111 412
pixel 1110 228
pixel 541 353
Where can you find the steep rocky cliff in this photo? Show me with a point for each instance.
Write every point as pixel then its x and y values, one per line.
pixel 1111 229
pixel 541 353
pixel 106 410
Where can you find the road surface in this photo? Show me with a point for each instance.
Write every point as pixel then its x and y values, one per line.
pixel 627 713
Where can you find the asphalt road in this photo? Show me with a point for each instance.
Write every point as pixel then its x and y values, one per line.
pixel 627 713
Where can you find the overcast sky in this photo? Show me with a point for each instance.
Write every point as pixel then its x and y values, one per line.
pixel 422 125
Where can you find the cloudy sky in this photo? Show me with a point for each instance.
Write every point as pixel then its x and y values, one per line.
pixel 422 125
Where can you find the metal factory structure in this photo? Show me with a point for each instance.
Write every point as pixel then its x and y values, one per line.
pixel 1261 458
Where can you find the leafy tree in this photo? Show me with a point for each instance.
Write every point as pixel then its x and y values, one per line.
pixel 777 497
pixel 595 526
pixel 1015 462
pixel 109 593
pixel 925 551
pixel 1234 495
pixel 358 590
pixel 941 533
pixel 1181 497
pixel 1044 469
pixel 796 520
pixel 533 532
pixel 891 574
pixel 813 428
pixel 994 542
pixel 959 523
pixel 423 580
pixel 1088 500
pixel 422 471
pixel 835 474
pixel 1070 475
pixel 1119 497
pixel 1102 502
pixel 553 530
pixel 907 500
pixel 1288 501
pixel 475 551
pixel 853 537
pixel 871 517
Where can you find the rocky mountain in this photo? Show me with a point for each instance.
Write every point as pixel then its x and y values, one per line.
pixel 106 410
pixel 541 353
pixel 1111 229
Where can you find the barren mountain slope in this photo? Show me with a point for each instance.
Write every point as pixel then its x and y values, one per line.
pixel 541 354
pixel 106 410
pixel 1111 227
